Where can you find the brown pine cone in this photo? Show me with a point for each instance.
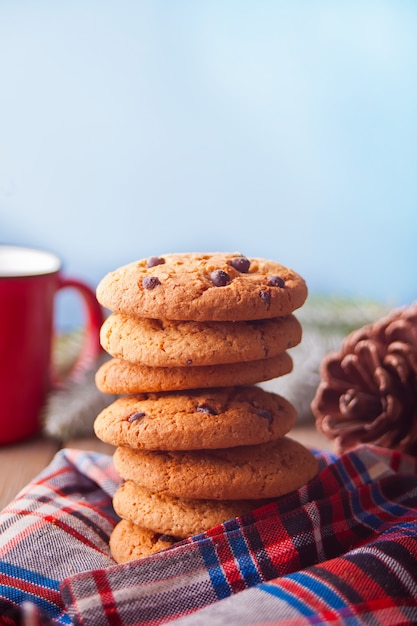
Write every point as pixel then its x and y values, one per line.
pixel 368 390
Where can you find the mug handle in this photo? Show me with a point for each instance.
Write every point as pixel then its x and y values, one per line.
pixel 94 318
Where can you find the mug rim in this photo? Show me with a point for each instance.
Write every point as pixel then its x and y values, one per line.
pixel 15 261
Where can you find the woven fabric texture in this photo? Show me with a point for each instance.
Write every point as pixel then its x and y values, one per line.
pixel 340 550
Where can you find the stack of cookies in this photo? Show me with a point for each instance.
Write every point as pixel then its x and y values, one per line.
pixel 198 442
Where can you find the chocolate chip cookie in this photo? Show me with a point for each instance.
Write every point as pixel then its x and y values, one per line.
pixel 166 343
pixel 214 418
pixel 129 542
pixel 179 517
pixel 246 472
pixel 203 287
pixel 117 376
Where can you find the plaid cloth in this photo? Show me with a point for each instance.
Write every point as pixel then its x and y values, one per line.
pixel 340 550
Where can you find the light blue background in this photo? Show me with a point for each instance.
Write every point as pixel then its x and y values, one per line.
pixel 283 129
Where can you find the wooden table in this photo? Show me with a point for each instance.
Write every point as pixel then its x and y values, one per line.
pixel 21 462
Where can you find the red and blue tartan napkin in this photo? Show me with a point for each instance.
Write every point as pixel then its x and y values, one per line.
pixel 340 550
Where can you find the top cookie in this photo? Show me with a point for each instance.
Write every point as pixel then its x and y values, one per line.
pixel 203 287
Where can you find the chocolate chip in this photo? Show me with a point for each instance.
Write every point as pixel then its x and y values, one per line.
pixel 265 295
pixel 220 278
pixel 276 281
pixel 168 538
pixel 240 263
pixel 266 414
pixel 150 282
pixel 136 416
pixel 154 260
pixel 205 408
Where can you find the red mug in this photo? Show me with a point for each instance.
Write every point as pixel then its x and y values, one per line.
pixel 29 282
